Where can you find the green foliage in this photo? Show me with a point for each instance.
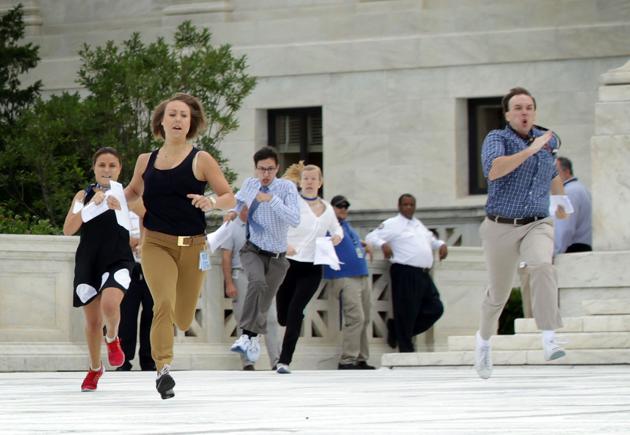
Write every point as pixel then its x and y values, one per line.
pixel 15 60
pixel 47 156
pixel 55 148
pixel 513 310
pixel 16 224
pixel 126 82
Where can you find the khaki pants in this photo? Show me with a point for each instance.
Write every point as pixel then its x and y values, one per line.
pixel 505 246
pixel 272 337
pixel 174 278
pixel 357 304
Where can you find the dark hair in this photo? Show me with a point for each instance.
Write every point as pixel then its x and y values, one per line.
pixel 265 153
pixel 566 164
pixel 505 101
pixel 105 150
pixel 198 121
pixel 405 195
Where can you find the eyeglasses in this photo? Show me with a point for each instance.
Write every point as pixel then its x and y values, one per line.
pixel 268 170
pixel 342 206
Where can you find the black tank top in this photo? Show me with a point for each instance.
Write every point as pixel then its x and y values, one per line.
pixel 169 211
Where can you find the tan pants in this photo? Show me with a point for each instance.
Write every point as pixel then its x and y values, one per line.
pixel 174 278
pixel 357 304
pixel 505 246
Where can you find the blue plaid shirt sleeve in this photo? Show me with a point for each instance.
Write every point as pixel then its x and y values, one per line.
pixel 493 147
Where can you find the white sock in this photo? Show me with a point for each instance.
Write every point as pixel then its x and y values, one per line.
pixel 481 341
pixel 548 336
pixel 96 369
pixel 110 340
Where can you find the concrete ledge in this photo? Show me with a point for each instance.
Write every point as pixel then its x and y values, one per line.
pixel 530 357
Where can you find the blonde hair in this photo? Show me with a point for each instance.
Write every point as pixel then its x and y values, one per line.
pixel 312 168
pixel 294 172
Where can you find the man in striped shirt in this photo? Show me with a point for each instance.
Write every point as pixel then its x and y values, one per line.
pixel 273 208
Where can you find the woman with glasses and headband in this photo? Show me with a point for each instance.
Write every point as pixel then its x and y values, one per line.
pixel 172 181
pixel 519 164
pixel 317 219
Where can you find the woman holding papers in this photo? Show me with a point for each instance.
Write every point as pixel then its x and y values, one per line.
pixel 317 218
pixel 103 262
pixel 172 181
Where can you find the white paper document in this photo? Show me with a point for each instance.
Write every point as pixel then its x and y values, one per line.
pixel 216 238
pixel 92 210
pixel 122 215
pixel 325 253
pixel 77 207
pixel 563 200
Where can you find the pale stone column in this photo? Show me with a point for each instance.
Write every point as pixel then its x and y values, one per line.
pixel 610 155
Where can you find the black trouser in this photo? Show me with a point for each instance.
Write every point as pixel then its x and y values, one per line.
pixel 416 303
pixel 299 286
pixel 137 294
pixel 578 247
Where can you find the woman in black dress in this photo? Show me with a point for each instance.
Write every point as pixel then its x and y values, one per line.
pixel 103 264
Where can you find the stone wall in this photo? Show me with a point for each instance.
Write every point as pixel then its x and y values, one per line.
pixel 392 76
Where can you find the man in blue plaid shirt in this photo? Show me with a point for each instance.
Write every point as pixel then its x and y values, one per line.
pixel 519 164
pixel 273 207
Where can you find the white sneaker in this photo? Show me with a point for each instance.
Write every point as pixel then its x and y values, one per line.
pixel 283 369
pixel 483 358
pixel 241 344
pixel 253 351
pixel 552 350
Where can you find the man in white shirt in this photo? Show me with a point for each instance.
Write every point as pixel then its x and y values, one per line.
pixel 409 247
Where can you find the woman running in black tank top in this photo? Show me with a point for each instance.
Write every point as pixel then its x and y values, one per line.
pixel 103 264
pixel 171 182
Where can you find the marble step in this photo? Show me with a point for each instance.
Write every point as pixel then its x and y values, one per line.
pixel 574 340
pixel 602 323
pixel 64 356
pixel 505 357
pixel 606 306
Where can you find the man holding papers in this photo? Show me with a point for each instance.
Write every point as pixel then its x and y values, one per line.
pixel 519 163
pixel 273 208
pixel 409 246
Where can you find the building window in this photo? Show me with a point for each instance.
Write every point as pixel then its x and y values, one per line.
pixel 297 135
pixel 484 114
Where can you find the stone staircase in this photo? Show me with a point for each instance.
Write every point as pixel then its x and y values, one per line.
pixel 601 336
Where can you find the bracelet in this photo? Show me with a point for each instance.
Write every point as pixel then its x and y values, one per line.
pixel 213 200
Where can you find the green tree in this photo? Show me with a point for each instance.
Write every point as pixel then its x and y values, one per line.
pixel 125 83
pixel 15 60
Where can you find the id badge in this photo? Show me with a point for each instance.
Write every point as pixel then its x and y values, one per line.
pixel 359 252
pixel 204 261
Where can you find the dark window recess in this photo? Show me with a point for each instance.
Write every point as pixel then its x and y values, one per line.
pixel 484 115
pixel 297 135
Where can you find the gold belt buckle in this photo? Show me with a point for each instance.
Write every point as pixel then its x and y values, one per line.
pixel 181 241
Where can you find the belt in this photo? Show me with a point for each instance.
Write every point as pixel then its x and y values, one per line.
pixel 257 250
pixel 199 239
pixel 515 221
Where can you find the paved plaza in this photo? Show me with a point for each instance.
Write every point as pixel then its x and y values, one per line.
pixel 526 399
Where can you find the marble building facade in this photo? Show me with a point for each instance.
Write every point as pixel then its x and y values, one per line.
pixel 393 79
